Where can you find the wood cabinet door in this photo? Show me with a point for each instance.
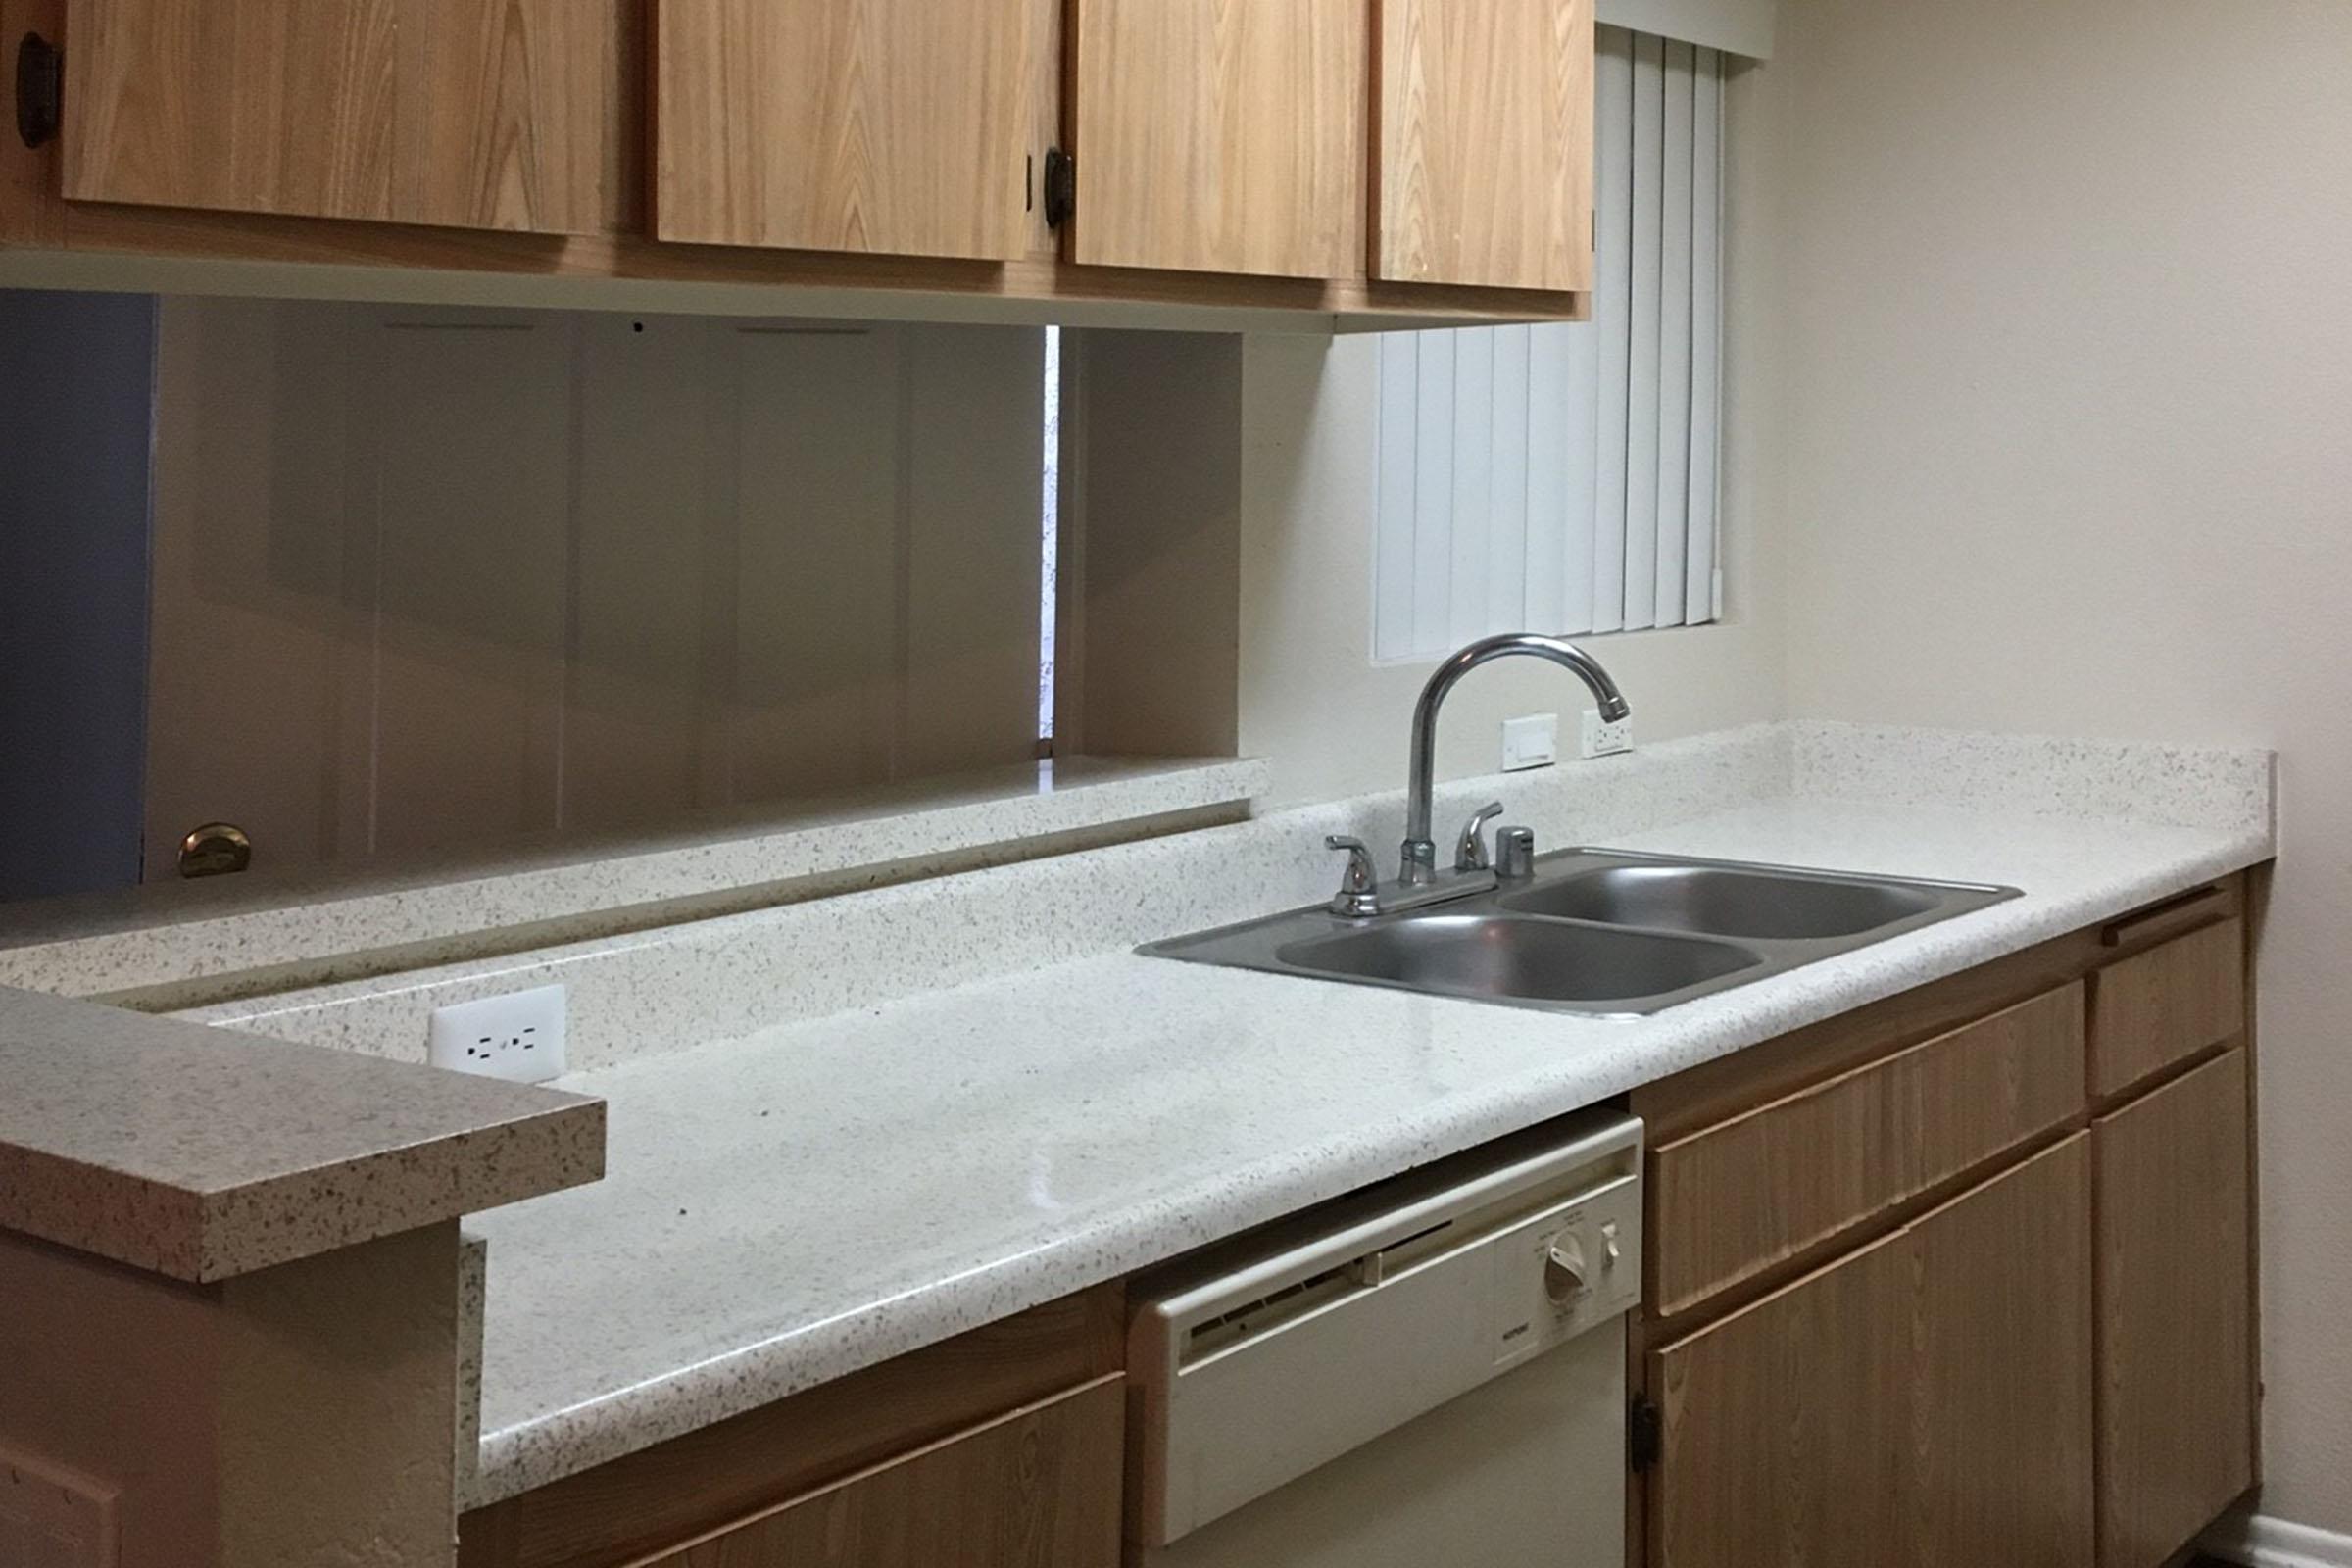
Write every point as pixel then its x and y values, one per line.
pixel 1786 1424
pixel 903 127
pixel 1220 135
pixel 1927 1400
pixel 2175 1435
pixel 1037 1489
pixel 2004 1420
pixel 1485 168
pixel 484 114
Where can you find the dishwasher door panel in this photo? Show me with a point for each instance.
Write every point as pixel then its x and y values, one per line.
pixel 1526 1471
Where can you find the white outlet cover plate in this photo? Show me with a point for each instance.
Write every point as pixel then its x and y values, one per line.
pixel 518 1037
pixel 1606 739
pixel 1533 741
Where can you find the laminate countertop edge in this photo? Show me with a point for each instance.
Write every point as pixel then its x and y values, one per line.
pixel 200 1154
pixel 827 1194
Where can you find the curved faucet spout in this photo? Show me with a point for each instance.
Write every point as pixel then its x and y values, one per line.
pixel 1420 850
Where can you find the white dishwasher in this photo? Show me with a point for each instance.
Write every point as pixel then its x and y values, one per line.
pixel 1428 1374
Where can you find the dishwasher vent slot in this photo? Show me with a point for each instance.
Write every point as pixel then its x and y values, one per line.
pixel 1291 1302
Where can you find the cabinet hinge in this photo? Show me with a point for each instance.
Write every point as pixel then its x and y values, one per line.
pixel 1644 1434
pixel 1061 187
pixel 40 89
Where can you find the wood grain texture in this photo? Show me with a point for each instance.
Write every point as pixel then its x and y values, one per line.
pixel 138 153
pixel 647 1504
pixel 1485 124
pixel 2166 1005
pixel 494 114
pixel 903 127
pixel 167 249
pixel 521 115
pixel 1927 1398
pixel 1221 135
pixel 1730 1202
pixel 2003 1435
pixel 29 213
pixel 246 105
pixel 1787 1430
pixel 1037 1489
pixel 2175 1399
pixel 1717 1091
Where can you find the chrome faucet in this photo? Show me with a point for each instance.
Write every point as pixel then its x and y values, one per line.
pixel 1420 859
pixel 1418 881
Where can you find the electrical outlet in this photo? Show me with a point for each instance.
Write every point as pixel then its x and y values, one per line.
pixel 1533 741
pixel 518 1037
pixel 1605 739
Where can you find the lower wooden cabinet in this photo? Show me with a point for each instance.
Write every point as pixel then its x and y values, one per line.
pixel 1036 1489
pixel 2176 1384
pixel 1963 1279
pixel 2001 1469
pixel 1003 1447
pixel 1926 1400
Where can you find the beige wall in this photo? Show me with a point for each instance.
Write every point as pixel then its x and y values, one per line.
pixel 1313 701
pixel 2070 381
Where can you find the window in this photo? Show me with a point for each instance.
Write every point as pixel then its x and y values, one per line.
pixel 1563 477
pixel 1048 575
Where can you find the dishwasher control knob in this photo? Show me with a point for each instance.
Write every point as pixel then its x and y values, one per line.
pixel 1564 1269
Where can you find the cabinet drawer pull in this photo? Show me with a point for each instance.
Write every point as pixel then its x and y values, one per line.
pixel 40 89
pixel 2183 914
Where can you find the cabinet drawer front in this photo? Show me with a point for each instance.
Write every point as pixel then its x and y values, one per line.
pixel 2167 1003
pixel 1037 1489
pixel 1734 1200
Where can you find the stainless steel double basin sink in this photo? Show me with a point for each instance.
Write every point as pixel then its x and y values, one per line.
pixel 1597 931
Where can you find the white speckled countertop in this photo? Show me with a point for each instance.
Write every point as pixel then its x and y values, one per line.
pixel 788 1206
pixel 171 944
pixel 200 1154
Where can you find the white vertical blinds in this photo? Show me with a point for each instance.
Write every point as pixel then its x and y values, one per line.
pixel 1563 477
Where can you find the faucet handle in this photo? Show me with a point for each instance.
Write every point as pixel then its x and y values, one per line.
pixel 1470 850
pixel 1358 897
pixel 1515 854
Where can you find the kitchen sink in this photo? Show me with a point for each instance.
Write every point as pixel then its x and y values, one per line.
pixel 1520 958
pixel 1605 932
pixel 1722 902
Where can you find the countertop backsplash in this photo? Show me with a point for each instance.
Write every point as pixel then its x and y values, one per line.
pixel 688 984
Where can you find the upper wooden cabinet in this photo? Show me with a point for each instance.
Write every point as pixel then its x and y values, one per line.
pixel 905 127
pixel 1485 170
pixel 1238 163
pixel 486 113
pixel 1220 135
